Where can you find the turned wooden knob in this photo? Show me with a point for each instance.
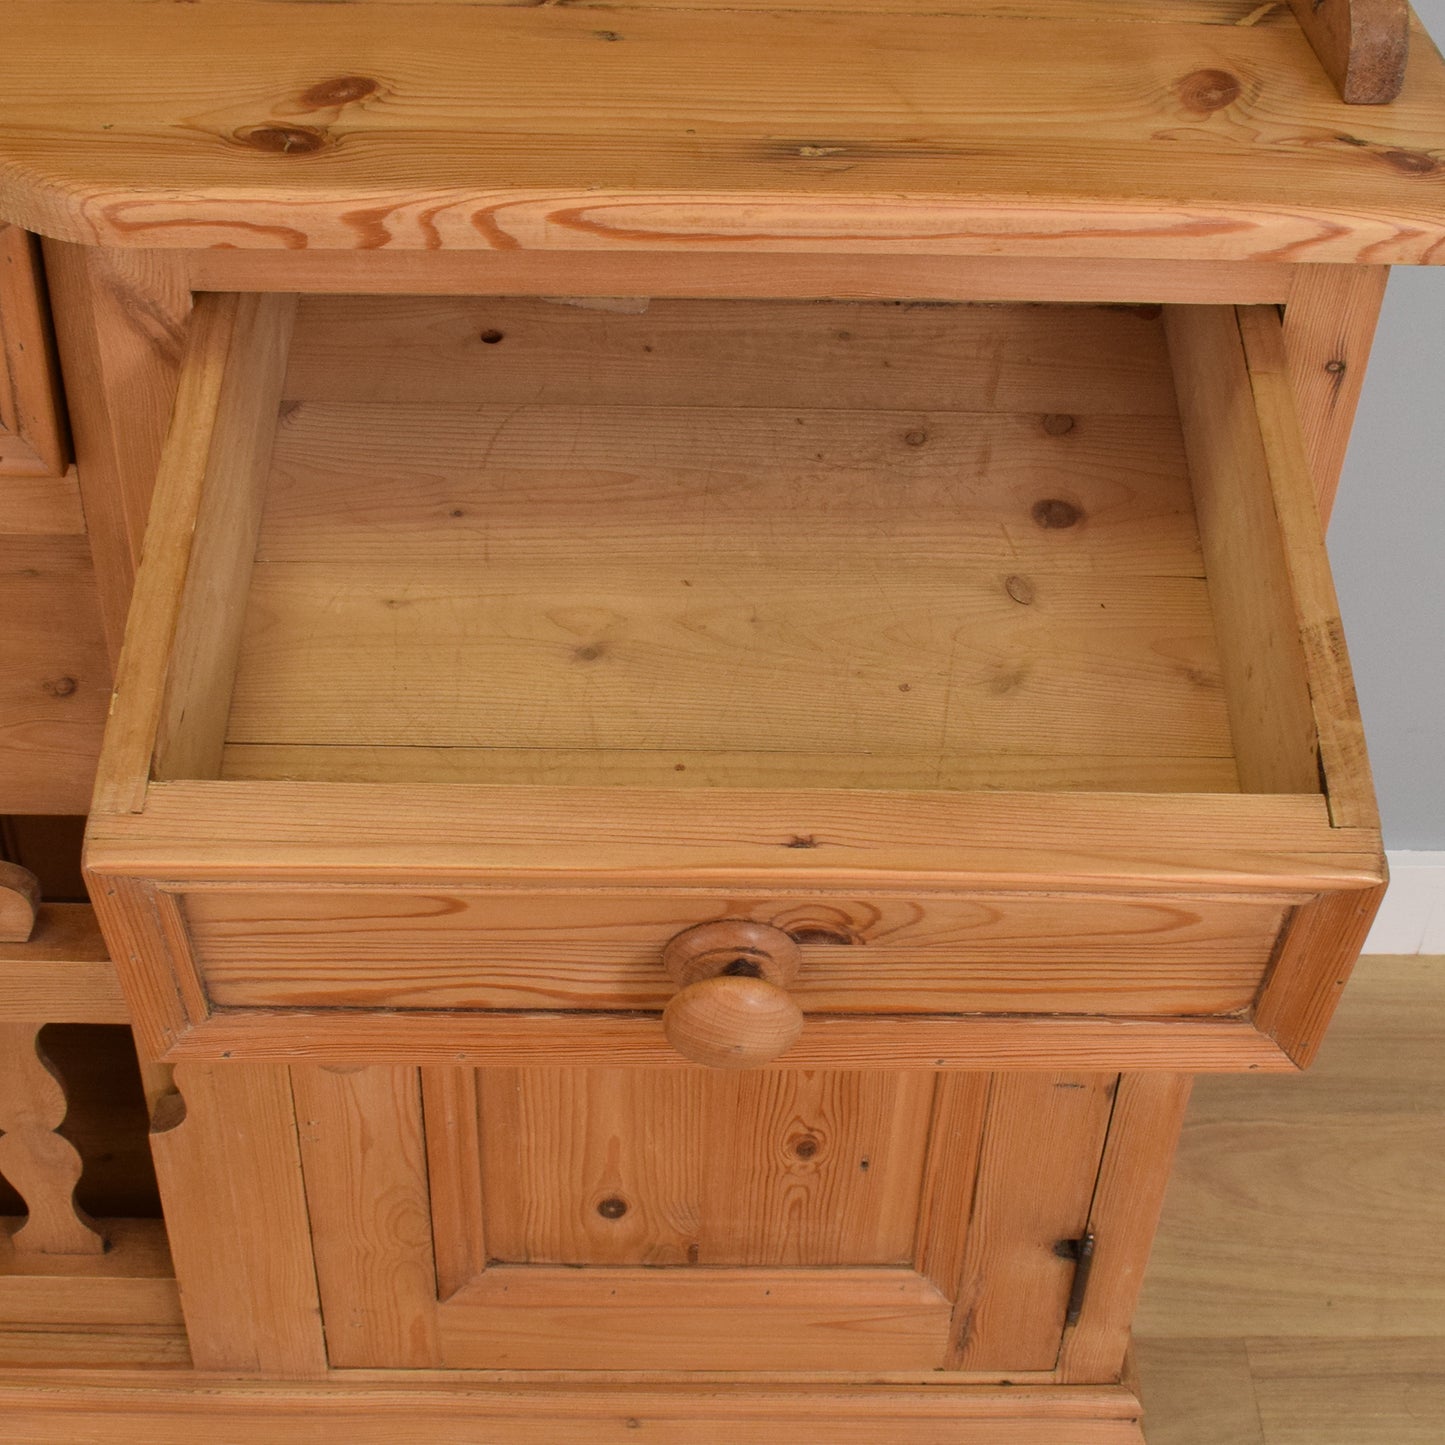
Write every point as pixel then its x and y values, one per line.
pixel 19 902
pixel 734 1010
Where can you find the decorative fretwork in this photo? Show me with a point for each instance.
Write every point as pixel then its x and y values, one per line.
pixel 42 1166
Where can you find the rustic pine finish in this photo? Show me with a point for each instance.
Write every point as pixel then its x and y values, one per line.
pixel 726 678
pixel 361 580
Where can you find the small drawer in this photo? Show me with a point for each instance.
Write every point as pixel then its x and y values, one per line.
pixel 987 653
pixel 406 949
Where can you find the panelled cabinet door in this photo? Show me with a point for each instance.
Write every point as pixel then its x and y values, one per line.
pixel 693 1220
pixel 54 671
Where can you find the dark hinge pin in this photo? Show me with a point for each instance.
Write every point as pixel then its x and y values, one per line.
pixel 1081 1251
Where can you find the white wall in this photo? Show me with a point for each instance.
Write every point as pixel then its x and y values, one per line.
pixel 1387 544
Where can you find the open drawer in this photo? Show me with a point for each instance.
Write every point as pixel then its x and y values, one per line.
pixel 987 654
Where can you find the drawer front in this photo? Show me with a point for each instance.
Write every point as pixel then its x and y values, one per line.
pixel 458 949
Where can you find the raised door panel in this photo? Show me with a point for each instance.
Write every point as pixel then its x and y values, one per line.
pixel 692 1220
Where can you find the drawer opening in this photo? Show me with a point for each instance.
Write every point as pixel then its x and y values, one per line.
pixel 680 544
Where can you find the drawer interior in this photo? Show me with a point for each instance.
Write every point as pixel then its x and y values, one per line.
pixel 778 543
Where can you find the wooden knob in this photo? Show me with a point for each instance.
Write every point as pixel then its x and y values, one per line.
pixel 19 902
pixel 729 1022
pixel 734 1011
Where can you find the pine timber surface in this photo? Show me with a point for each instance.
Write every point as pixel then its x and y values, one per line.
pixel 426 1408
pixel 1075 131
pixel 871 537
pixel 1256 1327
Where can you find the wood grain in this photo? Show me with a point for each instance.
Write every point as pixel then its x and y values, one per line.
pixel 207 640
pixel 1266 678
pixel 732 1319
pixel 229 1169
pixel 1329 325
pixel 1144 1129
pixel 162 1000
pixel 1381 1055
pixel 63 974
pixel 1362 45
pixel 1317 953
pixel 745 839
pixel 454 1176
pixel 1195 12
pixel 773 1169
pixel 677 417
pixel 837 355
pixel 680 769
pixel 488 949
pixel 1043 1140
pixel 151 629
pixel 388 483
pixel 43 1166
pixel 33 437
pixel 19 902
pixel 1336 708
pixel 922 658
pixel 1349 1392
pixel 816 276
pixel 1247 1263
pixel 364 1158
pixel 155 1350
pixel 119 324
pixel 1296 1338
pixel 98 1408
pixel 54 674
pixel 600 1040
pixel 1271 1177
pixel 40 506
pixel 130 1286
pixel 1200 1392
pixel 938 132
pixel 950 1176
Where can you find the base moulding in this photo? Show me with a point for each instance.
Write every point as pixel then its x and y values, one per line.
pixel 115 1407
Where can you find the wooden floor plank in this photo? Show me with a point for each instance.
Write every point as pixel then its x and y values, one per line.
pixel 1198 1392
pixel 1298 1269
pixel 1350 1392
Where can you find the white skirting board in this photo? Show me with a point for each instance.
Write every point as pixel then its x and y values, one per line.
pixel 1412 917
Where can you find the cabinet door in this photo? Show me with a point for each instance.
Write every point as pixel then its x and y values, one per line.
pixel 685 1219
pixel 54 673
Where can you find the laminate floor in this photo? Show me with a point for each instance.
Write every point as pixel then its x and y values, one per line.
pixel 1296 1295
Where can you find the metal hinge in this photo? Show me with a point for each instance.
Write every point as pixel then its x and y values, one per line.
pixel 1081 1251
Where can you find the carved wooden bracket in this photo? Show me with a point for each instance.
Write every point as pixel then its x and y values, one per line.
pixel 1362 44
pixel 43 1167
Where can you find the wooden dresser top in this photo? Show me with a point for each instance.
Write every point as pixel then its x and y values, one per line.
pixel 1181 129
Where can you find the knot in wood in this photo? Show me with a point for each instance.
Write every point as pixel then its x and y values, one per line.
pixel 285 140
pixel 344 90
pixel 1412 163
pixel 1054 513
pixel 1205 91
